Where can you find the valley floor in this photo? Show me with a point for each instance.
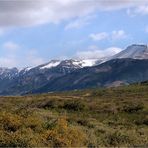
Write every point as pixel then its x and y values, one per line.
pixel 98 117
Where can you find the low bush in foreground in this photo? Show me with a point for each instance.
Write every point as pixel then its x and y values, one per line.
pixel 107 118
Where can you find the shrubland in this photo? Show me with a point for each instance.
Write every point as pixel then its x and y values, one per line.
pixel 108 117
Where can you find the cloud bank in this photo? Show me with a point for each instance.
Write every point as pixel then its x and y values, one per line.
pixel 93 52
pixel 14 55
pixel 34 12
pixel 114 35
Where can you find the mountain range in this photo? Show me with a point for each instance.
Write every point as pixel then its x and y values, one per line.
pixel 128 66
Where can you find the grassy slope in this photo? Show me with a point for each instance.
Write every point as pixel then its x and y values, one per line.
pixel 101 117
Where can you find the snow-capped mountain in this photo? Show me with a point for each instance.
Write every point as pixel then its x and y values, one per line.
pixel 48 70
pixel 51 64
pixel 68 65
pixel 115 72
pixel 72 63
pixel 134 52
pixel 8 73
pixel 20 81
pixel 30 78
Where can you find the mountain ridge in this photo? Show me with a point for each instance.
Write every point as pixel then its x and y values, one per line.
pixel 104 75
pixel 14 81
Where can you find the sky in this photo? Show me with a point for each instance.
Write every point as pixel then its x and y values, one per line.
pixel 33 32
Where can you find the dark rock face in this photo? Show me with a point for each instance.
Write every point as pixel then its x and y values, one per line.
pixel 7 77
pixel 63 77
pixel 128 66
pixel 125 71
pixel 15 82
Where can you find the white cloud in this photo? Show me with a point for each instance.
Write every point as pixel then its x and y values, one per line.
pixel 142 10
pixel 99 36
pixel 33 58
pixel 8 62
pixel 34 12
pixel 118 34
pixel 1 32
pixel 15 60
pixel 12 57
pixel 11 46
pixel 94 52
pixel 80 22
pixel 139 10
pixel 114 35
pixel 146 29
pixel 9 57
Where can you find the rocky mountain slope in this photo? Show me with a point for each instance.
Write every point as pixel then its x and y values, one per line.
pixel 134 52
pixel 21 81
pixel 112 73
pixel 128 66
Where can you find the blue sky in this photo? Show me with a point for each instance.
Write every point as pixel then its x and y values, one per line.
pixel 36 31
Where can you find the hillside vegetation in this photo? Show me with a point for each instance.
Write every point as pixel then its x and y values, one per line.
pixel 97 117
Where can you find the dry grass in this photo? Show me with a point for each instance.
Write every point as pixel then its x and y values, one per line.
pixel 99 117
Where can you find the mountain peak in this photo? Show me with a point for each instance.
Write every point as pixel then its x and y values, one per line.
pixel 135 51
pixel 137 47
pixel 52 63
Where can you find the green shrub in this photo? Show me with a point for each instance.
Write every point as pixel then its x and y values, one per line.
pixel 63 135
pixel 47 104
pixel 117 139
pixel 142 121
pixel 133 107
pixel 75 106
pixel 10 122
pixel 145 121
pixel 24 137
pixel 33 123
pixel 105 117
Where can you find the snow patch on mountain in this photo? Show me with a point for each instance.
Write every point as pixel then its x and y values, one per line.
pixel 81 63
pixel 8 73
pixel 51 64
pixel 89 62
pixel 28 68
pixel 134 51
pixel 24 70
pixel 72 63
